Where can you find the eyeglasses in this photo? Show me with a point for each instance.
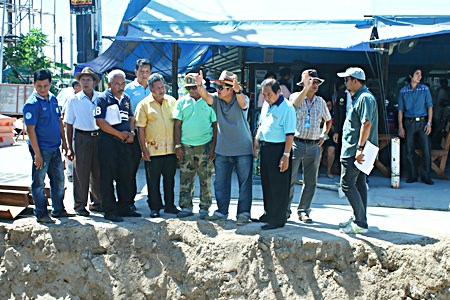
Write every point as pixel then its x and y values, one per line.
pixel 221 87
pixel 317 82
pixel 191 87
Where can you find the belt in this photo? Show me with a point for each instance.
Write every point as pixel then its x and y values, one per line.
pixel 417 119
pixel 306 141
pixel 91 133
pixel 264 143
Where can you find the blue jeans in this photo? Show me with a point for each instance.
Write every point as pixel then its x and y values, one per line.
pixel 52 165
pixel 222 184
pixel 353 183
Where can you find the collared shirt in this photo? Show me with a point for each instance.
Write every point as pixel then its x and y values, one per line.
pixel 136 92
pixel 364 108
pixel 415 102
pixel 80 111
pixel 277 121
pixel 158 123
pixel 314 111
pixel 107 99
pixel 44 114
pixel 234 137
pixel 197 118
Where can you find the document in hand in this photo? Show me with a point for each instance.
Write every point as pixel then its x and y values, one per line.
pixel 370 152
pixel 113 115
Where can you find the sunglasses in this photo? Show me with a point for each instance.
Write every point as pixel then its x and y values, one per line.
pixel 191 88
pixel 317 82
pixel 221 87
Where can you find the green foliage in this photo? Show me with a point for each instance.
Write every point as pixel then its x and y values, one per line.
pixel 26 55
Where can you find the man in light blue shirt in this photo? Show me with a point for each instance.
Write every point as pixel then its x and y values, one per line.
pixel 138 90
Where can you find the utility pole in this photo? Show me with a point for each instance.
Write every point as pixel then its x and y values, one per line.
pixel 2 42
pixel 61 43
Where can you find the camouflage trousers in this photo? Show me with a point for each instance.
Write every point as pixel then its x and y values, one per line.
pixel 196 160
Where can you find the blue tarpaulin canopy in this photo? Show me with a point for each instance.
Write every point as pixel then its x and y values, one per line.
pixel 149 27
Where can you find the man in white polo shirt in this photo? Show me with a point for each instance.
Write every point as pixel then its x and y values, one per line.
pixel 83 145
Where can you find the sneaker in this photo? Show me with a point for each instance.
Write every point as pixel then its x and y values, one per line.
pixel 353 228
pixel 185 214
pixel 242 220
pixel 203 213
pixel 45 220
pixel 346 223
pixel 302 216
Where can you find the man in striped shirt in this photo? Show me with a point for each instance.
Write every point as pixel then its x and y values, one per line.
pixel 310 111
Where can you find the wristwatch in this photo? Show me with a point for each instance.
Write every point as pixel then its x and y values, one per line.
pixel 287 154
pixel 177 146
pixel 359 147
pixel 429 123
pixel 240 92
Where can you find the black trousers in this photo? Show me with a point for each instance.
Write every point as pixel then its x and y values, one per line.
pixel 413 127
pixel 136 156
pixel 115 165
pixel 165 165
pixel 275 184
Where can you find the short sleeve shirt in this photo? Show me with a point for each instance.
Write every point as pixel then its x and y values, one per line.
pixel 136 92
pixel 364 108
pixel 277 121
pixel 158 123
pixel 80 111
pixel 107 99
pixel 197 118
pixel 315 111
pixel 234 137
pixel 415 102
pixel 44 115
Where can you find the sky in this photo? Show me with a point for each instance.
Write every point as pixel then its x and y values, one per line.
pixel 113 10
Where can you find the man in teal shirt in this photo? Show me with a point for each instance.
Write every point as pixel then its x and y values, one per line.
pixel 361 125
pixel 195 139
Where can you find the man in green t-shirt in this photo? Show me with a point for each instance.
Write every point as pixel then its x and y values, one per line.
pixel 195 140
pixel 361 125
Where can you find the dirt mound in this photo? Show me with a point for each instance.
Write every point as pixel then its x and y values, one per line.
pixel 176 259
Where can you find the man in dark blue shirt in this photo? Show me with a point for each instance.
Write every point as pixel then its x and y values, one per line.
pixel 415 114
pixel 115 118
pixel 45 131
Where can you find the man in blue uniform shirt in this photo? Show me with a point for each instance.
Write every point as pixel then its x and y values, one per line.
pixel 45 131
pixel 138 90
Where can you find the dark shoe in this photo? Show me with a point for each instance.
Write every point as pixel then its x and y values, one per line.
pixel 270 227
pixel 154 213
pixel 97 208
pixel 428 181
pixel 411 180
pixel 133 207
pixel 113 217
pixel 64 214
pixel 172 210
pixel 83 212
pixel 130 213
pixel 185 214
pixel 302 216
pixel 264 218
pixel 45 220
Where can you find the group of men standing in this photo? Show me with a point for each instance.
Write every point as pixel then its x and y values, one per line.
pixel 108 134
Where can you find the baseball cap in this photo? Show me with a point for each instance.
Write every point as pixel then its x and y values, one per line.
pixel 354 72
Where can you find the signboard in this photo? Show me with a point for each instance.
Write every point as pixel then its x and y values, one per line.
pixel 13 97
pixel 82 7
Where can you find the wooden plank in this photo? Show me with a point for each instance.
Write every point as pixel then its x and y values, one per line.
pixel 12 197
pixel 10 212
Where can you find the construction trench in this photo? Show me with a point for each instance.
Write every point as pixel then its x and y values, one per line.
pixel 88 258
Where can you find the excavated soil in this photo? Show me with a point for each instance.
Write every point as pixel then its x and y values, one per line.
pixel 176 259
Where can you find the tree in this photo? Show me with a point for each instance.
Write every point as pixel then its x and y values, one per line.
pixel 26 55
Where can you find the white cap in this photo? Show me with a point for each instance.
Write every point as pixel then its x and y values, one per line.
pixel 354 72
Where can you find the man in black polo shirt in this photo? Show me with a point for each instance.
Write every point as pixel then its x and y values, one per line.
pixel 115 118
